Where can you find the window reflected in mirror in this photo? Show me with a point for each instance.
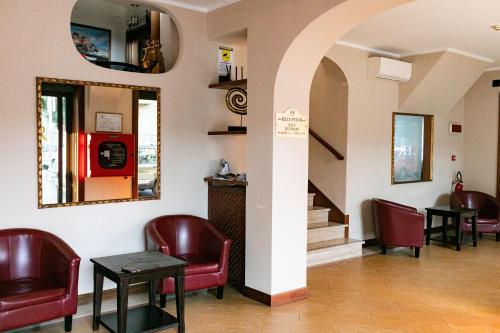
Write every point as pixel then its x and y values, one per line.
pixel 97 142
pixel 412 148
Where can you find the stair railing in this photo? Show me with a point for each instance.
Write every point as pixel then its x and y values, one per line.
pixel 325 144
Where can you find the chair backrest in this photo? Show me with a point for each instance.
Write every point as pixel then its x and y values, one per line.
pixel 183 233
pixel 20 253
pixel 476 200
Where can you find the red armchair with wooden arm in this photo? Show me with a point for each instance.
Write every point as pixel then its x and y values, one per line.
pixel 398 225
pixel 488 220
pixel 196 241
pixel 38 278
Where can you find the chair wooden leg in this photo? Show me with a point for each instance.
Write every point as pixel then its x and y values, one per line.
pixel 163 301
pixel 384 249
pixel 481 234
pixel 498 236
pixel 68 323
pixel 220 292
pixel 417 252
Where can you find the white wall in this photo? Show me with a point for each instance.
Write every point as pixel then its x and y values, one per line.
pixel 44 48
pixel 481 135
pixel 371 104
pixel 328 112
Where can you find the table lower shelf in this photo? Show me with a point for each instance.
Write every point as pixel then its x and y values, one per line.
pixel 143 319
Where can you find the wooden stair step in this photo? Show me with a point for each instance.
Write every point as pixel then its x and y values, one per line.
pixel 325 252
pixel 318 215
pixel 331 231
pixel 310 199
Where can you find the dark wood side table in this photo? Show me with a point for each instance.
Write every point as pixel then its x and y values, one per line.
pixel 456 214
pixel 140 267
pixel 226 211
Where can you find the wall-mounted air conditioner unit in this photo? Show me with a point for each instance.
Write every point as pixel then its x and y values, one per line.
pixel 389 69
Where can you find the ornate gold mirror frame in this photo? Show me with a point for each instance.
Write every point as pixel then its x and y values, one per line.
pixel 40 81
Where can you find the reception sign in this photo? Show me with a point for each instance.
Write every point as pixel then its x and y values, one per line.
pixel 292 124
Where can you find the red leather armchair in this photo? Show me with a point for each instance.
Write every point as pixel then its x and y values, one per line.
pixel 398 225
pixel 196 241
pixel 38 278
pixel 488 220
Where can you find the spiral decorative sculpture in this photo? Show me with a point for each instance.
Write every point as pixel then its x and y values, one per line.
pixel 236 100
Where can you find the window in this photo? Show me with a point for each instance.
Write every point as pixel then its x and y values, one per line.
pixel 412 145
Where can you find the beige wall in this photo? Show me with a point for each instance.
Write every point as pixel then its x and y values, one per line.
pixel 328 117
pixel 44 48
pixel 286 41
pixel 371 104
pixel 110 100
pixel 481 135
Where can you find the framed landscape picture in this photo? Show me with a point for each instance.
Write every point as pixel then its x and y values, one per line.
pixel 93 43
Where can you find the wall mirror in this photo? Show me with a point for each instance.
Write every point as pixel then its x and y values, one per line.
pixel 412 148
pixel 125 35
pixel 97 142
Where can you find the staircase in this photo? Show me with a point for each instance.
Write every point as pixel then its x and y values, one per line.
pixel 326 240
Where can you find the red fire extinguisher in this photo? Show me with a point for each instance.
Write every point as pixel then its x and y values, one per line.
pixel 459 183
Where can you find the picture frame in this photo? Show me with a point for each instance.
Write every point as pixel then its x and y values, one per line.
pixel 106 122
pixel 93 43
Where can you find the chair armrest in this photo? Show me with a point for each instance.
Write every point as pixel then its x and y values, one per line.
pixel 404 227
pixel 220 245
pixel 155 241
pixel 59 262
pixel 397 205
pixel 491 208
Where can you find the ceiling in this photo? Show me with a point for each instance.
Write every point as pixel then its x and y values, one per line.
pixel 427 26
pixel 199 5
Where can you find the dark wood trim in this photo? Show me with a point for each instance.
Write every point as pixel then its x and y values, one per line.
pixel 278 299
pixel 256 295
pixel 80 96
pixel 229 85
pixel 325 144
pixel 135 131
pixel 498 155
pixel 434 230
pixel 155 25
pixel 227 133
pixel 335 214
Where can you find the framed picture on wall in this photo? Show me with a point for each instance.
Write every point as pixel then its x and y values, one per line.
pixel 412 148
pixel 93 43
pixel 108 122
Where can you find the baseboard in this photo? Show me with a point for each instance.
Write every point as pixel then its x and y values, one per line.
pixel 434 230
pixel 111 293
pixel 278 299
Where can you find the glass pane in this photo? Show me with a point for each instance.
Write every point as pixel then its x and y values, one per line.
pixel 408 148
pixel 147 148
pixel 64 148
pixel 50 150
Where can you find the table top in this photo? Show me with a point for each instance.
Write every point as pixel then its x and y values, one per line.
pixel 449 208
pixel 138 262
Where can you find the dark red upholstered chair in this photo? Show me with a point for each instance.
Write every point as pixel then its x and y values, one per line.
pixel 38 279
pixel 488 220
pixel 196 241
pixel 398 225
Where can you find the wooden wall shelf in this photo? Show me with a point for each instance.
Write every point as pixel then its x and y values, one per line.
pixel 229 85
pixel 227 133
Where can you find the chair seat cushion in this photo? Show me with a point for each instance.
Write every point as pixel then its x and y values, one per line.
pixel 27 292
pixel 199 265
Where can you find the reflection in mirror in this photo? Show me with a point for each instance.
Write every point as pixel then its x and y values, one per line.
pixel 97 142
pixel 125 35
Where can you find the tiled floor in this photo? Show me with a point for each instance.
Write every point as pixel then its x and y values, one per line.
pixel 443 291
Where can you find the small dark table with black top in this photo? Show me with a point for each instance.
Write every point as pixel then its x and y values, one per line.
pixel 456 214
pixel 127 269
